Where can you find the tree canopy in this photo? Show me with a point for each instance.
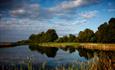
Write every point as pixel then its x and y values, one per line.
pixel 104 34
pixel 86 36
pixel 49 36
pixel 69 38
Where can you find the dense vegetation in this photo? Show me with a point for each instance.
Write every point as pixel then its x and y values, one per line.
pixel 86 36
pixel 104 34
pixel 49 36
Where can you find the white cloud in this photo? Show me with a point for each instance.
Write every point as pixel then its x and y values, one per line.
pixel 28 10
pixel 80 22
pixel 65 5
pixel 18 11
pixel 62 10
pixel 25 26
pixel 88 14
pixel 36 26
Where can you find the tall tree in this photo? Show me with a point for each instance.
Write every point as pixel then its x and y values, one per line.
pixel 51 35
pixel 86 36
pixel 112 30
pixel 106 32
pixel 71 38
pixel 102 33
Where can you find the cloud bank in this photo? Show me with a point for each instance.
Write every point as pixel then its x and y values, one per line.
pixel 34 16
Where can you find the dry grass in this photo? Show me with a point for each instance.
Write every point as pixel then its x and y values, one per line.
pixel 95 46
pixel 59 45
pixel 92 46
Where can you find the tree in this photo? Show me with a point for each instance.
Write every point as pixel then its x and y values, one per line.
pixel 51 35
pixel 71 38
pixel 59 40
pixel 65 39
pixel 32 38
pixel 111 30
pixel 106 32
pixel 80 36
pixel 86 36
pixel 102 33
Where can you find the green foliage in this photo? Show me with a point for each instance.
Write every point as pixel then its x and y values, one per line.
pixel 86 36
pixel 106 32
pixel 49 36
pixel 112 30
pixel 70 38
pixel 102 33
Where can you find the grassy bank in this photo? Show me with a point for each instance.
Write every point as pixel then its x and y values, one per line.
pixel 59 44
pixel 92 46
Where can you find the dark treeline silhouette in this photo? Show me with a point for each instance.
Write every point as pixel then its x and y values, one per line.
pixel 104 34
pixel 49 51
pixel 49 36
pixel 86 36
pixel 69 38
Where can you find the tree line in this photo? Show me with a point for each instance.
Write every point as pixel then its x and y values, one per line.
pixel 104 34
pixel 49 36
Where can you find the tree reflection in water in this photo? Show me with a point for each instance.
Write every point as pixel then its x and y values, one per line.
pixel 49 51
pixel 70 48
pixel 99 60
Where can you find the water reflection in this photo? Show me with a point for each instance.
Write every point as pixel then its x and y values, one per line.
pixel 84 58
pixel 101 60
pixel 49 51
pixel 88 54
pixel 69 48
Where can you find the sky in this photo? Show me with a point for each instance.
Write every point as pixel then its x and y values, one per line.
pixel 21 18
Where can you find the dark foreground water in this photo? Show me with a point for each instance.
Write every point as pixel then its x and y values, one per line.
pixel 35 57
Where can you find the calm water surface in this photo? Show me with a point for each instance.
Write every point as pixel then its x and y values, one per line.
pixel 53 56
pixel 21 54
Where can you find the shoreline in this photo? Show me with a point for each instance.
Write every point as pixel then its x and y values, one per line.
pixel 91 46
pixel 94 46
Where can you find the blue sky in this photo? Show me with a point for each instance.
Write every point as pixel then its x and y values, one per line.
pixel 21 18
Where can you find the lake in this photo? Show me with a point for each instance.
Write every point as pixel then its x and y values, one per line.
pixel 52 58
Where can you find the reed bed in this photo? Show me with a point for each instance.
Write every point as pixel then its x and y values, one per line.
pixel 59 45
pixel 93 46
